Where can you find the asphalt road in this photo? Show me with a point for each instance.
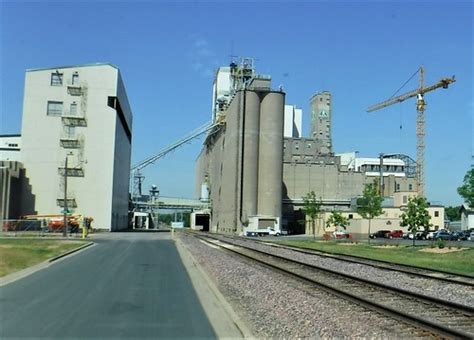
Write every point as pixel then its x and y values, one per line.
pixel 128 285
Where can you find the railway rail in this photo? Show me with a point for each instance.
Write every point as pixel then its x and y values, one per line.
pixel 425 315
pixel 440 275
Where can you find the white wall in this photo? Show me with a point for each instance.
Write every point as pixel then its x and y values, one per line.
pixel 10 146
pixel 292 122
pixel 103 153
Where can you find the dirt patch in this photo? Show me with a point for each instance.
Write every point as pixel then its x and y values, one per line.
pixel 386 246
pixel 441 250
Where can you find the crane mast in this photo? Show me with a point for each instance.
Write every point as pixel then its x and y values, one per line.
pixel 420 120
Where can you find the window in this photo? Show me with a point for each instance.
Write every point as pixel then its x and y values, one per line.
pixel 70 131
pixel 55 108
pixel 398 186
pixel 73 109
pixel 436 213
pixel 410 187
pixel 404 199
pixel 75 79
pixel 351 216
pixel 56 79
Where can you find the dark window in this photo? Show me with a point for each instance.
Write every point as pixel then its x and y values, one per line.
pixel 75 79
pixel 398 186
pixel 351 216
pixel 54 108
pixel 436 213
pixel 56 79
pixel 410 187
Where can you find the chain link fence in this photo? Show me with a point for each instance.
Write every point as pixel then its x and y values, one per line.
pixel 37 227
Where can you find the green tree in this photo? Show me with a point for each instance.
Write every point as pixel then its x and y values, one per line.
pixel 370 204
pixel 466 190
pixel 416 215
pixel 453 213
pixel 337 220
pixel 312 209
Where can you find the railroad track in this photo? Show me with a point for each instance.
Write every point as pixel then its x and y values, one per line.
pixel 439 275
pixel 426 315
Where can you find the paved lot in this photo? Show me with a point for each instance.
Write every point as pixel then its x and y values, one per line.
pixel 127 285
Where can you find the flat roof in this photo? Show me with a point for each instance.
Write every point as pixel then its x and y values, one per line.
pixel 11 135
pixel 71 66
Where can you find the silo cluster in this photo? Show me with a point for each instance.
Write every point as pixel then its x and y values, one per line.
pixel 262 154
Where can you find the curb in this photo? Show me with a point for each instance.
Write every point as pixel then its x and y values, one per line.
pixel 234 328
pixel 70 252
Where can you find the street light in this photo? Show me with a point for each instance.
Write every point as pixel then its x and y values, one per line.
pixel 65 209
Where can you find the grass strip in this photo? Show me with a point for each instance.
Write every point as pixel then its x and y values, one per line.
pixel 18 254
pixel 459 262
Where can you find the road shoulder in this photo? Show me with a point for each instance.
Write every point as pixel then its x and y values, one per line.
pixel 224 320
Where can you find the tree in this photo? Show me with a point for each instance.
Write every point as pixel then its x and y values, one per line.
pixel 416 215
pixel 336 219
pixel 453 213
pixel 370 204
pixel 466 190
pixel 312 209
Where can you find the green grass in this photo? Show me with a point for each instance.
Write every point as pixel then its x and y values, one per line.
pixel 461 262
pixel 17 254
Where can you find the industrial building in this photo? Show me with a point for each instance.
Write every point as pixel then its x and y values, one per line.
pixel 10 146
pixel 258 166
pixel 77 124
pixel 242 161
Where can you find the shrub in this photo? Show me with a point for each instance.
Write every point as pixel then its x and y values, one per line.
pixel 441 243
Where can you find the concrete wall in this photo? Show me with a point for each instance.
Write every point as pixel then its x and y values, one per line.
pixel 321 120
pixel 16 198
pixel 244 160
pixel 104 152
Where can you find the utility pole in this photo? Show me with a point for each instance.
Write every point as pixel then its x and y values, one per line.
pixel 65 199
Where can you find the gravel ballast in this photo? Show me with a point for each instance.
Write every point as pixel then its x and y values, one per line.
pixel 453 292
pixel 275 306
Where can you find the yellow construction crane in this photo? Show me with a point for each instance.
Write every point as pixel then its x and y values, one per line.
pixel 420 120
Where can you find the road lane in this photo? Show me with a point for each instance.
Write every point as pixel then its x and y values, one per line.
pixel 127 285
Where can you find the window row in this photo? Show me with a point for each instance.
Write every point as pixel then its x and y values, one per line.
pixel 57 79
pixel 55 108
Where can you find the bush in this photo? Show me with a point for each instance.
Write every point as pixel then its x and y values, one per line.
pixel 441 243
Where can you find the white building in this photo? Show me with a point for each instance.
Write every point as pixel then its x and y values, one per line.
pixel 79 113
pixel 467 217
pixel 293 122
pixel 10 146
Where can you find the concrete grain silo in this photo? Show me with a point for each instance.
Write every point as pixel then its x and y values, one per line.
pixel 250 166
pixel 270 166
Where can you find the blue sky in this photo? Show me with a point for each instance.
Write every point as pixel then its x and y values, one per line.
pixel 168 51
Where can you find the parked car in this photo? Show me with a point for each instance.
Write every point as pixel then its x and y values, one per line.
pixel 380 234
pixel 430 234
pixel 459 236
pixel 471 236
pixel 443 235
pixel 341 234
pixel 419 235
pixel 396 234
